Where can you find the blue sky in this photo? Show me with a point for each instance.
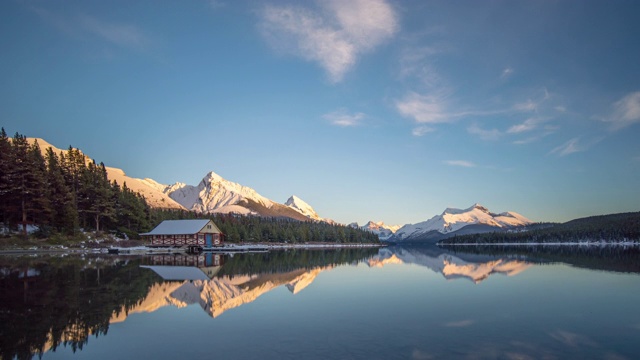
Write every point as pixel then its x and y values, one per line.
pixel 366 109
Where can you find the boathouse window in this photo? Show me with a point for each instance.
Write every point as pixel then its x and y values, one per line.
pixel 208 226
pixel 201 236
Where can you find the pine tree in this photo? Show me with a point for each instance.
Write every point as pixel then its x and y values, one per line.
pixel 64 215
pixel 6 162
pixel 40 204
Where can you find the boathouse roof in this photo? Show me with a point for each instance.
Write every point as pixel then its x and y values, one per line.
pixel 180 227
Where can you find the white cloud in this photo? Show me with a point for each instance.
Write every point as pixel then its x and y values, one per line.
pixel 506 73
pixel 527 125
pixel 119 34
pixel 422 130
pixel 526 106
pixel 344 119
pixel 626 111
pixel 424 109
pixel 333 35
pixel 462 163
pixel 484 134
pixel 570 147
pixel 528 140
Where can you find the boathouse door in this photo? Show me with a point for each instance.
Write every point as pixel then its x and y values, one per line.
pixel 209 239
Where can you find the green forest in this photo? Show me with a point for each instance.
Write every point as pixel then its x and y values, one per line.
pixel 607 228
pixel 64 195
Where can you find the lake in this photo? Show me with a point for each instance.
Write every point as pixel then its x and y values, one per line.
pixel 388 303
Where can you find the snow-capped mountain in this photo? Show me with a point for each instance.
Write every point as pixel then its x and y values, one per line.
pixel 383 231
pixel 302 207
pixel 213 194
pixel 475 219
pixel 217 195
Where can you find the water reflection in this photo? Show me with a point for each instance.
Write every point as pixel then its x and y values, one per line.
pixel 50 301
pixel 471 267
pixel 46 302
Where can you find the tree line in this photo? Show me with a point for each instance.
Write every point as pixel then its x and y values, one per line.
pixel 607 228
pixel 61 194
pixel 258 229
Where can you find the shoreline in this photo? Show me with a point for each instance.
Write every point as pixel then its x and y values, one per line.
pixel 142 250
pixel 598 243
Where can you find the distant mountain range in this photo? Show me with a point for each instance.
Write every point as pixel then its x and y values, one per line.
pixel 214 194
pixel 384 232
pixel 475 219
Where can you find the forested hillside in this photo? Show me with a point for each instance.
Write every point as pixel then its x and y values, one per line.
pixel 62 195
pixel 608 228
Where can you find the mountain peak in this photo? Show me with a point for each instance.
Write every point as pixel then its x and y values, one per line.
pixel 379 228
pixel 453 220
pixel 302 207
pixel 212 176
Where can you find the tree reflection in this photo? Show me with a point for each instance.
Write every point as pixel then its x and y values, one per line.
pixel 48 302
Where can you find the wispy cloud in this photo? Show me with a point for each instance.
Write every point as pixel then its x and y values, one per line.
pixel 423 109
pixel 86 26
pixel 414 64
pixel 527 125
pixel 572 339
pixel 343 118
pixel 124 35
pixel 462 163
pixel 570 147
pixel 506 73
pixel 422 130
pixel 333 35
pixel 526 106
pixel 626 111
pixel 484 134
pixel 462 323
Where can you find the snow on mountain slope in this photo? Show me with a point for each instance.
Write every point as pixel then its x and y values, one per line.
pixel 302 207
pixel 213 194
pixel 383 231
pixel 453 220
pixel 150 189
pixel 217 195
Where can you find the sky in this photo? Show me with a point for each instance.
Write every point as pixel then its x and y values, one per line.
pixel 366 109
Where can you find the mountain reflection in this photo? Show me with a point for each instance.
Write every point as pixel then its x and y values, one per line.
pixel 50 301
pixel 471 267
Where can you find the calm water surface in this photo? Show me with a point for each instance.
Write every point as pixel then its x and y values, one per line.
pixel 392 303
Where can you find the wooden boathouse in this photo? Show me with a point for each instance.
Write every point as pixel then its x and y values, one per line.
pixel 200 233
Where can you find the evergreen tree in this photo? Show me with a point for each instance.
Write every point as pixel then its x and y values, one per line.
pixel 6 162
pixel 64 215
pixel 23 184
